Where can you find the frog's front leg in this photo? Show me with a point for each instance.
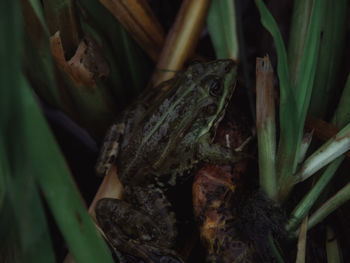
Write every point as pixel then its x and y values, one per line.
pixel 116 134
pixel 215 153
pixel 110 148
pixel 136 231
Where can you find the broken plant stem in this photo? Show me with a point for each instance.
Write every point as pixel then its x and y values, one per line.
pixel 266 127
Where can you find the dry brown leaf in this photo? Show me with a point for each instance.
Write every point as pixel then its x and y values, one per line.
pixel 85 66
pixel 138 19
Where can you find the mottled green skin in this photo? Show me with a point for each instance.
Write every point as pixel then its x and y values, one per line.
pixel 159 144
pixel 163 143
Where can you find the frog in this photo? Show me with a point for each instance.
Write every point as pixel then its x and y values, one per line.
pixel 156 144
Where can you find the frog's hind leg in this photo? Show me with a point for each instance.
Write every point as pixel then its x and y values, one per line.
pixel 110 148
pixel 153 201
pixel 131 231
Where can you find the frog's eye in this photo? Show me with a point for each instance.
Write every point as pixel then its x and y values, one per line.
pixel 228 67
pixel 215 87
pixel 211 109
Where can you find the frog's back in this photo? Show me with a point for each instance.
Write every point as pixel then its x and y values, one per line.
pixel 163 141
pixel 154 139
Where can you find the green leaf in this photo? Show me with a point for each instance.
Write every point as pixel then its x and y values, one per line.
pixel 37 7
pixel 298 32
pixel 53 177
pixel 33 159
pixel 309 59
pixel 35 241
pixel 222 28
pixel 329 151
pixel 28 239
pixel 328 65
pixel 342 114
pixel 333 203
pixel 37 59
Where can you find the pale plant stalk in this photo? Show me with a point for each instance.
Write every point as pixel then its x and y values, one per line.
pixel 266 129
pixel 328 152
pixel 181 40
pixel 302 242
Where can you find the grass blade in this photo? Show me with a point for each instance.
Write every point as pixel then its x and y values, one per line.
pixel 330 55
pixel 58 187
pixel 342 114
pixel 308 64
pixel 138 19
pixel 298 31
pixel 38 62
pixel 304 206
pixel 325 154
pixel 337 200
pixel 222 28
pixel 29 217
pixel 332 247
pixel 340 118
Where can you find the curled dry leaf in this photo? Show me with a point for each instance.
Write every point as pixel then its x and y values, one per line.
pixel 213 191
pixel 85 66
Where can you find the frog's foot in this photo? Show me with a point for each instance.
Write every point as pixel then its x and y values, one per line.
pixel 109 149
pixel 215 153
pixel 132 231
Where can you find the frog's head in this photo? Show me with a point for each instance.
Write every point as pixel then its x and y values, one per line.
pixel 214 83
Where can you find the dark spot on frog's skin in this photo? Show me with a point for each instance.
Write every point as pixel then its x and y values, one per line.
pixel 174 166
pixel 81 60
pixel 220 190
pixel 215 245
pixel 230 221
pixel 209 196
pixel 187 149
pixel 211 109
pixel 166 259
pixel 220 210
